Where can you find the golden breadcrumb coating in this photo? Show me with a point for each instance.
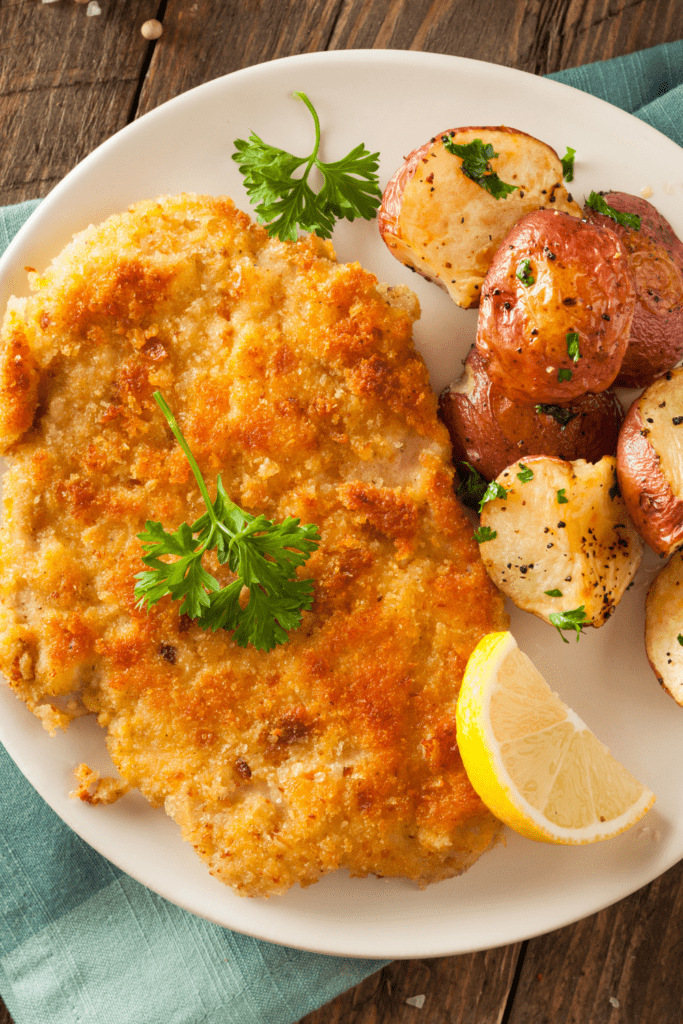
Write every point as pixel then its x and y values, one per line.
pixel 296 379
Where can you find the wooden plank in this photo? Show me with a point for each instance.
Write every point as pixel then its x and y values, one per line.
pixel 621 966
pixel 471 989
pixel 67 82
pixel 204 40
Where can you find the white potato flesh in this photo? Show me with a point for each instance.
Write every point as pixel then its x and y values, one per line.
pixel 447 227
pixel 585 547
pixel 661 409
pixel 664 627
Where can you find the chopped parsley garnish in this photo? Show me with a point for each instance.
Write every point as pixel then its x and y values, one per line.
pixel 574 619
pixel 680 639
pixel 562 498
pixel 526 474
pixel 553 593
pixel 264 557
pixel 484 533
pixel 493 490
pixel 476 165
pixel 568 164
pixel 558 412
pixel 573 346
pixel 524 272
pixel 627 220
pixel 564 374
pixel 472 485
pixel 285 203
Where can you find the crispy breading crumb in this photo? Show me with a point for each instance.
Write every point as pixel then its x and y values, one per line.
pixel 95 789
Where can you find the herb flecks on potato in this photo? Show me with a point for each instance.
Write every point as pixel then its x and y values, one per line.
pixel 664 627
pixel 563 541
pixel 655 255
pixel 444 224
pixel 490 431
pixel 650 463
pixel 566 333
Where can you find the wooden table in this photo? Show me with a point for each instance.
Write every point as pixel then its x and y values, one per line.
pixel 67 82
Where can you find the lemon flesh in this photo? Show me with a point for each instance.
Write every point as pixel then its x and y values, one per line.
pixel 532 760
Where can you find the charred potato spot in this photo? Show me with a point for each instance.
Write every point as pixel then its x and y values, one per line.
pixel 650 463
pixel 655 255
pixel 565 334
pixel 440 223
pixel 490 431
pixel 664 627
pixel 563 539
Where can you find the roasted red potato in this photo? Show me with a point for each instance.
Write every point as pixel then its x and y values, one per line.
pixel 650 463
pixel 441 223
pixel 655 255
pixel 556 309
pixel 664 627
pixel 490 431
pixel 558 542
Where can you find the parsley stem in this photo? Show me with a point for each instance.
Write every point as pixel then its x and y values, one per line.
pixel 173 424
pixel 311 159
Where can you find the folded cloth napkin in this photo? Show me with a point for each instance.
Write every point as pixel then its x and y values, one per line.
pixel 80 941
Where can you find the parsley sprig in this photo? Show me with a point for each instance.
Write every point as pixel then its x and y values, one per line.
pixel 600 205
pixel 263 555
pixel 568 164
pixel 286 203
pixel 476 165
pixel 574 619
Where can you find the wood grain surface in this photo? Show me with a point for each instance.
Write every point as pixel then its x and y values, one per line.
pixel 67 83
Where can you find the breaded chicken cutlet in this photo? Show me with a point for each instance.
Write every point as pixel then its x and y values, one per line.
pixel 296 379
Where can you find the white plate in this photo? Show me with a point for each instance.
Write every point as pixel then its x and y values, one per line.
pixel 392 101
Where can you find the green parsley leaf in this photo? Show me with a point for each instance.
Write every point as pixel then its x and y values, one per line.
pixel 568 164
pixel 493 490
pixel 574 619
pixel 680 639
pixel 627 220
pixel 564 374
pixel 573 345
pixel 562 498
pixel 472 485
pixel 484 533
pixel 476 165
pixel 560 413
pixel 524 272
pixel 526 474
pixel 263 555
pixel 553 593
pixel 286 203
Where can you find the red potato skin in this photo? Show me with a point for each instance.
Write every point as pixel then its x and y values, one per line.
pixel 490 431
pixel 656 512
pixel 582 284
pixel 655 256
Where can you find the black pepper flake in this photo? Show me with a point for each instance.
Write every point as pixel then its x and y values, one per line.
pixel 676 420
pixel 506 305
pixel 242 768
pixel 462 220
pixel 606 316
pixel 521 195
pixel 496 291
pixel 561 525
pixel 534 332
pixel 168 652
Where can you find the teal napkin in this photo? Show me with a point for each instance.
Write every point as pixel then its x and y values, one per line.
pixel 80 941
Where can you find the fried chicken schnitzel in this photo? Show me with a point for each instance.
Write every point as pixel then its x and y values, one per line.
pixel 296 379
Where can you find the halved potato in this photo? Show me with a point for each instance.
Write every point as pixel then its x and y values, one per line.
pixel 442 224
pixel 490 431
pixel 650 463
pixel 655 255
pixel 563 540
pixel 556 309
pixel 664 627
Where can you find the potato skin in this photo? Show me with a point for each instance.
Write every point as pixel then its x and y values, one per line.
pixel 490 431
pixel 657 512
pixel 655 255
pixel 441 224
pixel 582 284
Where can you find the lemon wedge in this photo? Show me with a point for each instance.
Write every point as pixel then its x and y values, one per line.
pixel 532 760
